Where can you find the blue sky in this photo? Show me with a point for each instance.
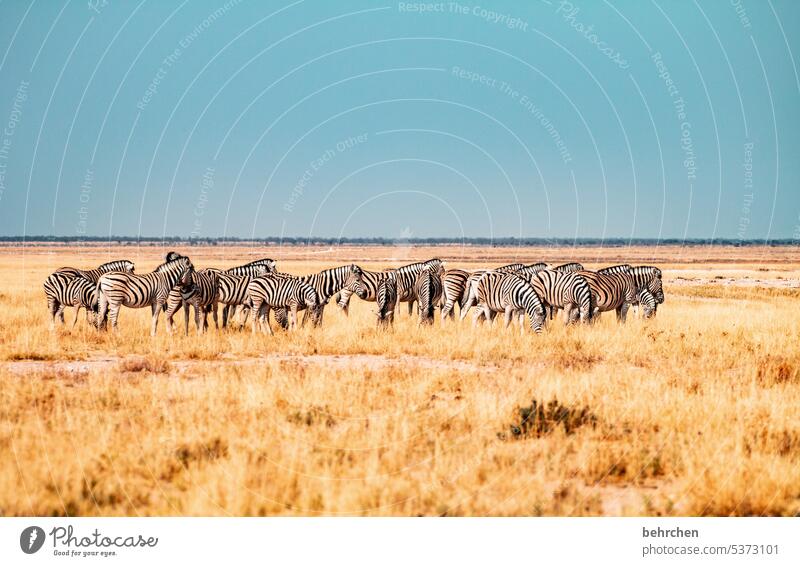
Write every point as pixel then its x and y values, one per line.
pixel 396 119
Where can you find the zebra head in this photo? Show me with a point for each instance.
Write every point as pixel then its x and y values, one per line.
pixel 187 271
pixel 172 256
pixel 656 289
pixel 355 282
pixel 128 266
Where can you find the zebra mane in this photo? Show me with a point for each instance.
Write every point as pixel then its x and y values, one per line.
pixel 265 261
pixel 115 263
pixel 181 261
pixel 622 268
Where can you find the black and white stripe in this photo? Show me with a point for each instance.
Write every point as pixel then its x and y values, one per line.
pixel 115 290
pixel 454 283
pixel 386 298
pixel 612 291
pixel 94 274
pixel 67 291
pixel 280 291
pixel 569 267
pixel 510 294
pixel 564 290
pixel 407 275
pixel 428 291
pixel 201 293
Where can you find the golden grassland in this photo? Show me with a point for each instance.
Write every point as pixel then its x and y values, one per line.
pixel 696 412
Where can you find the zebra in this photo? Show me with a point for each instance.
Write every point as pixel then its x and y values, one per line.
pixel 454 282
pixel 200 292
pixel 568 291
pixel 510 294
pixel 427 290
pixel 370 280
pixel 278 291
pixel 470 294
pixel 328 283
pixel 386 297
pixel 235 291
pixel 644 277
pixel 648 303
pixel 94 274
pixel 55 286
pixel 569 267
pixel 115 290
pixel 407 275
pixel 612 291
pixel 65 291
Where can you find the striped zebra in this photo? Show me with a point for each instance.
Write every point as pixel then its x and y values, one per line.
pixel 370 279
pixel 644 277
pixel 233 290
pixel 470 293
pixel 561 290
pixel 407 275
pixel 67 291
pixel 328 283
pixel 55 286
pixel 428 291
pixel 454 282
pixel 279 291
pixel 648 303
pixel 612 291
pixel 510 294
pixel 569 267
pixel 115 290
pixel 201 293
pixel 94 274
pixel 386 297
pixel 521 269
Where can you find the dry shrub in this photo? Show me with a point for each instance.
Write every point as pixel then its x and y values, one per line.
pixel 777 370
pixel 202 451
pixel 314 415
pixel 151 364
pixel 540 419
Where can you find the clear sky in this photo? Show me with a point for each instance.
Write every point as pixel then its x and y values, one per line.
pixel 657 119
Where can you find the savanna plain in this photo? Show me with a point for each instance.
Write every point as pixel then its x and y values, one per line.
pixel 694 412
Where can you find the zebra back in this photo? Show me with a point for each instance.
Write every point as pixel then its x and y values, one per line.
pixel 498 291
pixel 427 291
pixel 386 297
pixel 122 265
pixel 569 267
pixel 407 275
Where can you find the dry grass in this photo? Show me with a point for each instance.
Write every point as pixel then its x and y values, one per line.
pixel 693 413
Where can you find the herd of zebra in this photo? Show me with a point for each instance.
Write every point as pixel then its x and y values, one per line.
pixel 537 290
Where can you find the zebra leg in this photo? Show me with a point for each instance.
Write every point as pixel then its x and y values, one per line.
pixel 186 318
pixel 265 318
pixel 113 314
pixel 343 301
pixel 214 314
pixel 52 309
pixel 507 315
pixel 622 311
pixel 60 313
pixel 256 307
pixel 225 310
pixel 102 312
pixel 198 323
pixel 411 307
pixel 476 317
pixel 156 312
pixel 77 312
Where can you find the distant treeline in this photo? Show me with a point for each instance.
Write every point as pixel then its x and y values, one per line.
pixel 495 242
